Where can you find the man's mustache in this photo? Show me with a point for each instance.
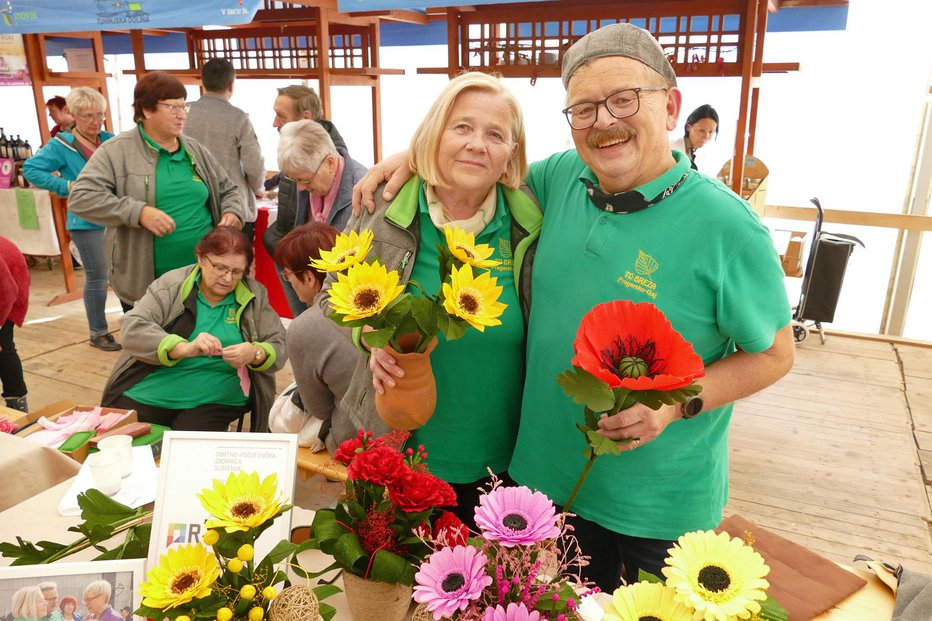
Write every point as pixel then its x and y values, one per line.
pixel 600 137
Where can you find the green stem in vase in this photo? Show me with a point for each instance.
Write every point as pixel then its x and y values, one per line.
pixel 579 482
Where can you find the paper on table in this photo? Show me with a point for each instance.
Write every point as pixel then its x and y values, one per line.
pixel 26 206
pixel 137 489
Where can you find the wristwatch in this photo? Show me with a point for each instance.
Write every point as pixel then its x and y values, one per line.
pixel 691 407
pixel 258 355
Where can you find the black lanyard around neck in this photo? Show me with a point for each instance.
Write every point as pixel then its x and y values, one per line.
pixel 626 202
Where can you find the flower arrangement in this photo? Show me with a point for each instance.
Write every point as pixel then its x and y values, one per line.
pixel 626 353
pixel 389 494
pixel 709 576
pixel 516 569
pixel 368 294
pixel 222 579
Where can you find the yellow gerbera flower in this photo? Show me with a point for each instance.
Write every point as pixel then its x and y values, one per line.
pixel 646 600
pixel 348 250
pixel 242 502
pixel 182 574
pixel 719 577
pixel 464 247
pixel 365 290
pixel 473 299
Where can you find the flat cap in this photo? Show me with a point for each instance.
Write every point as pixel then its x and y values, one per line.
pixel 618 40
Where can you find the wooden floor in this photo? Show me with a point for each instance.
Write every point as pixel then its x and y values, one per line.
pixel 830 457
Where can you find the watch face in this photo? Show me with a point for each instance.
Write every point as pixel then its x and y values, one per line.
pixel 692 406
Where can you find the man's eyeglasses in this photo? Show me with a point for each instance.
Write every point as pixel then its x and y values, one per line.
pixel 223 270
pixel 176 108
pixel 307 182
pixel 100 116
pixel 620 105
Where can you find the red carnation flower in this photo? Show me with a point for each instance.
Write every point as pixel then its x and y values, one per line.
pixel 347 450
pixel 378 464
pixel 417 491
pixel 449 530
pixel 634 346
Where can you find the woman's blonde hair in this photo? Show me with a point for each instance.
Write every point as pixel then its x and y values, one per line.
pixel 82 98
pixel 98 587
pixel 425 144
pixel 29 603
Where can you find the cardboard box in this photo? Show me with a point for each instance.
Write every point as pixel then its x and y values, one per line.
pixel 51 410
pixel 792 257
pixel 63 408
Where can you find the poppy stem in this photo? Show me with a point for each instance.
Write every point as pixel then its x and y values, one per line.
pixel 579 482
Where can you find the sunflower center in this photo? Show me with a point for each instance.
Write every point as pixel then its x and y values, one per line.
pixel 183 582
pixel 366 299
pixel 244 509
pixel 649 618
pixel 453 582
pixel 632 366
pixel 346 255
pixel 714 579
pixel 467 251
pixel 514 522
pixel 469 303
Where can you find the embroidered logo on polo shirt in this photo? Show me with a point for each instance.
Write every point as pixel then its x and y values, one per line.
pixel 504 250
pixel 641 279
pixel 231 315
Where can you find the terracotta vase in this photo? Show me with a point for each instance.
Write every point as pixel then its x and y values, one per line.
pixel 370 600
pixel 411 401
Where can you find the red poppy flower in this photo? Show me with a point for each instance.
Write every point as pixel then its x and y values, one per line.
pixel 634 346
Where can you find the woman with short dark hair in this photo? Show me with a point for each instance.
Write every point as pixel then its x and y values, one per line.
pixel 701 126
pixel 202 346
pixel 156 193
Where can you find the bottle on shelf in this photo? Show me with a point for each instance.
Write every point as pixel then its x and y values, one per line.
pixel 17 146
pixel 4 144
pixel 27 149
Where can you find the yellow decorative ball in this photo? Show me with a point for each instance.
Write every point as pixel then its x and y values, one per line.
pixel 211 537
pixel 269 592
pixel 224 614
pixel 235 565
pixel 182 618
pixel 256 614
pixel 248 592
pixel 245 552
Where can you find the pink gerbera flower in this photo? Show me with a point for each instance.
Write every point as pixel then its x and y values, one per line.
pixel 516 516
pixel 514 612
pixel 450 579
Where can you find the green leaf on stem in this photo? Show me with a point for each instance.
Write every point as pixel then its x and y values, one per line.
pixel 28 553
pixel 425 314
pixel 592 421
pixel 602 445
pixel 646 576
pixel 452 327
pixel 391 568
pixel 772 611
pixel 378 338
pixel 586 389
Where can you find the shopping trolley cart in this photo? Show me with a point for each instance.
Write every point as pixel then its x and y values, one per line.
pixel 822 278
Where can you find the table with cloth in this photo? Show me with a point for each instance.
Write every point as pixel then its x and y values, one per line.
pixel 27 469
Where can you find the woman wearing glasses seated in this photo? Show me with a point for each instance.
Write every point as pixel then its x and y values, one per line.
pixel 156 193
pixel 202 346
pixel 54 168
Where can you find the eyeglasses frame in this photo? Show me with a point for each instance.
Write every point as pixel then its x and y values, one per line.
pixel 604 102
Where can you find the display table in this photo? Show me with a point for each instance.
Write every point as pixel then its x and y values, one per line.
pixel 28 469
pixel 38 518
pixel 265 267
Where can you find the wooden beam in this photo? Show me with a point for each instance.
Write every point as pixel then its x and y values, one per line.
pixel 903 222
pixel 375 38
pixel 408 17
pixel 780 67
pixel 746 54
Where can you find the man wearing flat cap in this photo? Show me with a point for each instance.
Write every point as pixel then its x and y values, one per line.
pixel 629 219
pixel 626 218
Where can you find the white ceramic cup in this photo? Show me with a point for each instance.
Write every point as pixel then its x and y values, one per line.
pixel 105 470
pixel 122 446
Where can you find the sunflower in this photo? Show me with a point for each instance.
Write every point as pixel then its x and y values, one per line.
pixel 634 346
pixel 473 299
pixel 365 290
pixel 242 502
pixel 182 574
pixel 721 578
pixel 348 250
pixel 646 600
pixel 464 247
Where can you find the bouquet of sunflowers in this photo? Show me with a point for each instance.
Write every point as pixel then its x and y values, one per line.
pixel 368 294
pixel 523 566
pixel 222 579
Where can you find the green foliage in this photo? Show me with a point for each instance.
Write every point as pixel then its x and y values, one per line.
pixel 772 611
pixel 586 389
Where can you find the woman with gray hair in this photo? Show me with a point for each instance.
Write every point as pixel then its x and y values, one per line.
pixel 28 604
pixel 54 168
pixel 306 154
pixel 97 601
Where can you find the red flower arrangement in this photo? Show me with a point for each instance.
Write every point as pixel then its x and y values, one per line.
pixel 626 353
pixel 376 530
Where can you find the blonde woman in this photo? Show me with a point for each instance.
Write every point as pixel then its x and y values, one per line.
pixel 29 604
pixel 97 601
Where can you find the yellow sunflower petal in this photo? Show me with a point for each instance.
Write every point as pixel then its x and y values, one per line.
pixel 464 247
pixel 473 299
pixel 242 502
pixel 348 250
pixel 646 600
pixel 364 291
pixel 721 578
pixel 182 574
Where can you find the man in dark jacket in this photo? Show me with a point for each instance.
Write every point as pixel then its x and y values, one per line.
pixel 294 103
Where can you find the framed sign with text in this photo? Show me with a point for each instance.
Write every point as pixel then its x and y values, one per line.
pixel 192 460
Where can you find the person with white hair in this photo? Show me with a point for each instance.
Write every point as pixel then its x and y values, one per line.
pixel 55 168
pixel 97 601
pixel 28 604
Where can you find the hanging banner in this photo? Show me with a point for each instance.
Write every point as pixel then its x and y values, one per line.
pixel 13 67
pixel 41 16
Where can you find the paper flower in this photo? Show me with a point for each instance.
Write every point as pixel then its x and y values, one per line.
pixel 242 502
pixel 473 299
pixel 182 574
pixel 348 250
pixel 646 600
pixel 516 516
pixel 364 290
pixel 450 579
pixel 464 247
pixel 718 576
pixel 514 612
